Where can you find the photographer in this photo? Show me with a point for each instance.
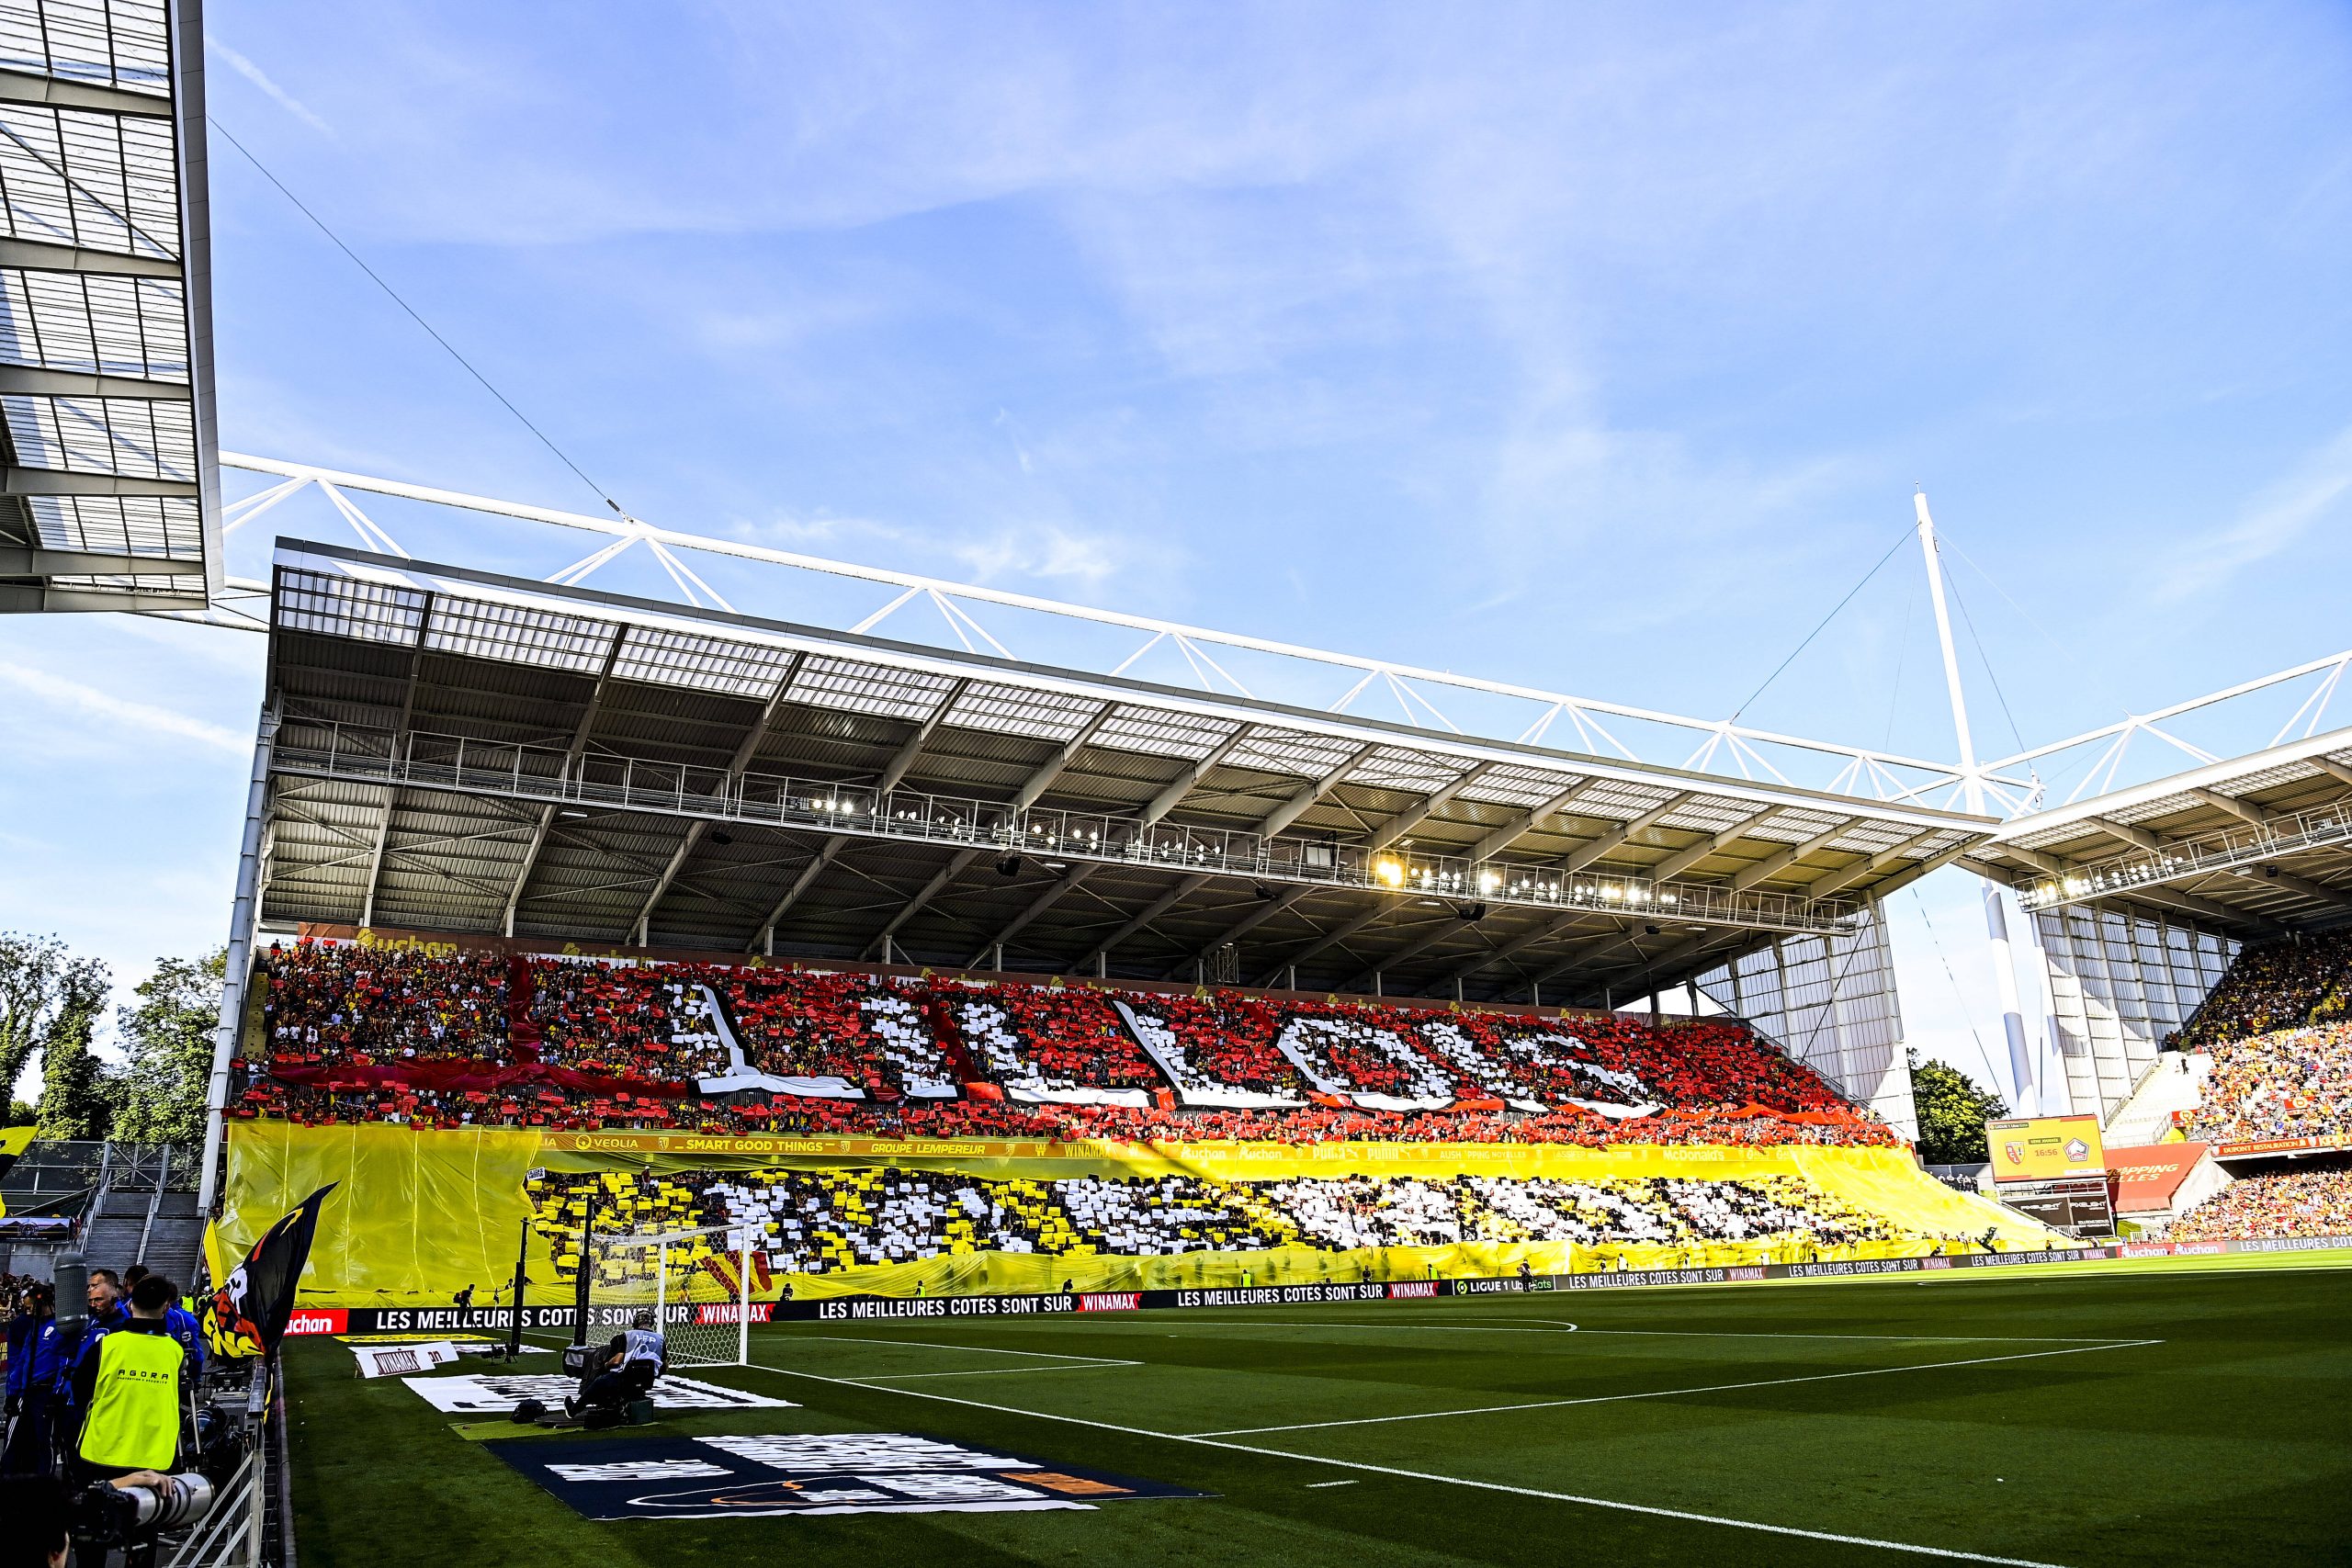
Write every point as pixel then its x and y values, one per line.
pixel 626 1370
pixel 126 1386
pixel 37 1356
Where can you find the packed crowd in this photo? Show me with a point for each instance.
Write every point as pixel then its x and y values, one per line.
pixel 2296 1083
pixel 816 1222
pixel 2283 1203
pixel 2280 985
pixel 361 1033
pixel 1051 1041
pixel 861 1031
pixel 328 1002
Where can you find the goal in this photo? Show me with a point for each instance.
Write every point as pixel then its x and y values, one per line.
pixel 698 1284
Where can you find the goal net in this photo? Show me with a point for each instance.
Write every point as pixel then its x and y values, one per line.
pixel 699 1285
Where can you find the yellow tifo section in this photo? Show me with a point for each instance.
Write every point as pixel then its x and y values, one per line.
pixel 417 1215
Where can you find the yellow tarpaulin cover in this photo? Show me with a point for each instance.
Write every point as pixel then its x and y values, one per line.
pixel 419 1215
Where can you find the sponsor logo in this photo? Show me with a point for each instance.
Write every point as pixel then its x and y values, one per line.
pixel 317 1320
pixel 1745 1274
pixel 1412 1288
pixel 1113 1301
pixel 2198 1248
pixel 1935 1263
pixel 2145 1249
pixel 731 1311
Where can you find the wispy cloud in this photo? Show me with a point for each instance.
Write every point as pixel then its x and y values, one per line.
pixel 143 717
pixel 2271 522
pixel 260 78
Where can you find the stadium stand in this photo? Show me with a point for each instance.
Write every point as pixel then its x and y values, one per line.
pixel 2276 1203
pixel 2293 1083
pixel 2279 985
pixel 356 1034
pixel 819 1222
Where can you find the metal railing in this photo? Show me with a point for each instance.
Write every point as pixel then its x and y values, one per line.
pixel 550 775
pixel 2231 849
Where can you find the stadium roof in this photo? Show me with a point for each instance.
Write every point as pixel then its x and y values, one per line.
pixel 109 488
pixel 457 751
pixel 2252 845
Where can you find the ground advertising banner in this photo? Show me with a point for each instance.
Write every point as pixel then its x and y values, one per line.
pixel 2045 1148
pixel 2146 1179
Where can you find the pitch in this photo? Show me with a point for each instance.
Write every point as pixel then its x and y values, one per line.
pixel 2114 1415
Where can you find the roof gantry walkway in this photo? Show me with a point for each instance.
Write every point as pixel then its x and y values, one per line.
pixel 461 752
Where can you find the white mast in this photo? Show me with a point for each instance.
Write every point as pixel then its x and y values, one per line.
pixel 1996 921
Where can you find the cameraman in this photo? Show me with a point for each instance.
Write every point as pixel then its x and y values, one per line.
pixel 627 1368
pixel 35 1362
pixel 126 1387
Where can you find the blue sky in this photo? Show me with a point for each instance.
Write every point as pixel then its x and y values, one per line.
pixel 1594 347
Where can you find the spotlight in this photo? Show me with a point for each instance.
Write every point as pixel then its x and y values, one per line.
pixel 1474 912
pixel 1008 865
pixel 1389 872
pixel 1649 929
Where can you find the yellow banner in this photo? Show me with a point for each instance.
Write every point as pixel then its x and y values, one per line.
pixel 14 1141
pixel 2045 1148
pixel 419 1215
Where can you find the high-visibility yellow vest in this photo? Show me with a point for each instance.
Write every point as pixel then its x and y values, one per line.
pixel 134 1419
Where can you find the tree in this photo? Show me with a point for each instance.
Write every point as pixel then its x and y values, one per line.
pixel 39 980
pixel 167 1038
pixel 1952 1113
pixel 76 1092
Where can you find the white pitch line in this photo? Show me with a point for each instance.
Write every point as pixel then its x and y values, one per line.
pixel 1684 1514
pixel 942 1345
pixel 999 1372
pixel 1558 1325
pixel 1670 1392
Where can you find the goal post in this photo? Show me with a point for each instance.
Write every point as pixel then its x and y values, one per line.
pixel 699 1284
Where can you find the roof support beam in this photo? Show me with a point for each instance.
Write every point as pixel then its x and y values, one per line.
pixel 1584 855
pixel 1586 952
pixel 36 256
pixel 1778 860
pixel 1514 946
pixel 2333 768
pixel 32 598
pixel 735 765
pixel 1063 884
pixel 1168 799
pixel 1042 779
pixel 2245 811
pixel 1527 822
pixel 579 747
pixel 1650 968
pixel 40 562
pixel 1324 944
pixel 765 940
pixel 1307 794
pixel 1266 911
pixel 1868 866
pixel 57 481
pixel 32 382
pixel 895 771
pixel 2280 877
pixel 2152 892
pixel 932 889
pixel 1683 860
pixel 1444 925
pixel 392 792
pixel 25 87
pixel 1151 911
pixel 1412 816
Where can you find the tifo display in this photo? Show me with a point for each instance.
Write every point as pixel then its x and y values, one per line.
pixel 359 1033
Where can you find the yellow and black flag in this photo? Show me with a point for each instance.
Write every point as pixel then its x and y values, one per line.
pixel 14 1141
pixel 247 1313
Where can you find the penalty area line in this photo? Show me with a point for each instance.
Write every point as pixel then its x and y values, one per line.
pixel 1685 1515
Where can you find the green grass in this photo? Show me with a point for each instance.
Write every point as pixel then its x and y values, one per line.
pixel 2163 1412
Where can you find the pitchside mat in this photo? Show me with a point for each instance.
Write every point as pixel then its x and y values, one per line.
pixel 2106 1414
pixel 493 1394
pixel 784 1473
